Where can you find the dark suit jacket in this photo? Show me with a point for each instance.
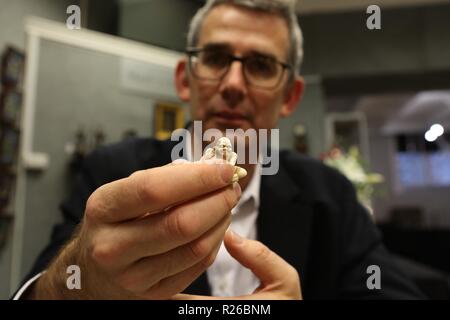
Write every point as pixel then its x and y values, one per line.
pixel 308 214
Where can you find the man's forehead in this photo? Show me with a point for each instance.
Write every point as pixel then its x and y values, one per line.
pixel 246 30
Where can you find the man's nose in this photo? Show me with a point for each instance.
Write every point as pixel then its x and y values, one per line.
pixel 233 86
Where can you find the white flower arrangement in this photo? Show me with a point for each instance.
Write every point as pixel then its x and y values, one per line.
pixel 351 165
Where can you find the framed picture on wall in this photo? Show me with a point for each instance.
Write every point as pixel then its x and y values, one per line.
pixel 13 62
pixel 168 117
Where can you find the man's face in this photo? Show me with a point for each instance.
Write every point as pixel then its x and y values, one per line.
pixel 231 103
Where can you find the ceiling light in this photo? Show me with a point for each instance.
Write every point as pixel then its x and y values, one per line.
pixel 437 130
pixel 430 136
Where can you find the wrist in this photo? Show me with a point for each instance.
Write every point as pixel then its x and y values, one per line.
pixel 52 285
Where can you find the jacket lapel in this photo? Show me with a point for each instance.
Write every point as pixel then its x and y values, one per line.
pixel 284 220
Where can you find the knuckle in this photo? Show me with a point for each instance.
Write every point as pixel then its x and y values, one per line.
pixel 199 249
pixel 145 193
pixel 102 254
pixel 175 225
pixel 105 254
pixel 145 190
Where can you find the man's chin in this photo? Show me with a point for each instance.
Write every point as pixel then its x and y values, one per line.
pixel 224 124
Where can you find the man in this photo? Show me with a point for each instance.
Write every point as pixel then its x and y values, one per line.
pixel 152 233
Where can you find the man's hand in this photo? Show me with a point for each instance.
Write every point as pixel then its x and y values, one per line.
pixel 279 280
pixel 147 236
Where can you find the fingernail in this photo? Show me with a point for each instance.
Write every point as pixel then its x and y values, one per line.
pixel 226 172
pixel 237 189
pixel 237 238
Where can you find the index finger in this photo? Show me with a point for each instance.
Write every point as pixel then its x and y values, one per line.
pixel 156 189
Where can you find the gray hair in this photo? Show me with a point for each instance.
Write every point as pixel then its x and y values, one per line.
pixel 284 8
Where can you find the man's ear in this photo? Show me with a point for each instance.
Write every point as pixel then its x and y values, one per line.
pixel 182 80
pixel 292 97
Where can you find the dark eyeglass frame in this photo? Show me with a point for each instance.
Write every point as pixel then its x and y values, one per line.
pixel 193 52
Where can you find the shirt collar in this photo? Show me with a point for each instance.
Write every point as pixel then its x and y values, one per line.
pixel 252 190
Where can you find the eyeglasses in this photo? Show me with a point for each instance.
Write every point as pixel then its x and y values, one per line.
pixel 213 64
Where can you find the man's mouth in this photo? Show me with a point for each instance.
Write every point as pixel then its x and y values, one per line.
pixel 231 116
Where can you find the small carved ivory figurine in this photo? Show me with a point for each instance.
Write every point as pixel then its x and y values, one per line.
pixel 223 151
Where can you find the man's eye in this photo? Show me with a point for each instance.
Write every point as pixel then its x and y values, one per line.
pixel 215 59
pixel 261 67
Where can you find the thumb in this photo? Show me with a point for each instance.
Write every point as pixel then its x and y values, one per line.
pixel 279 280
pixel 269 267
